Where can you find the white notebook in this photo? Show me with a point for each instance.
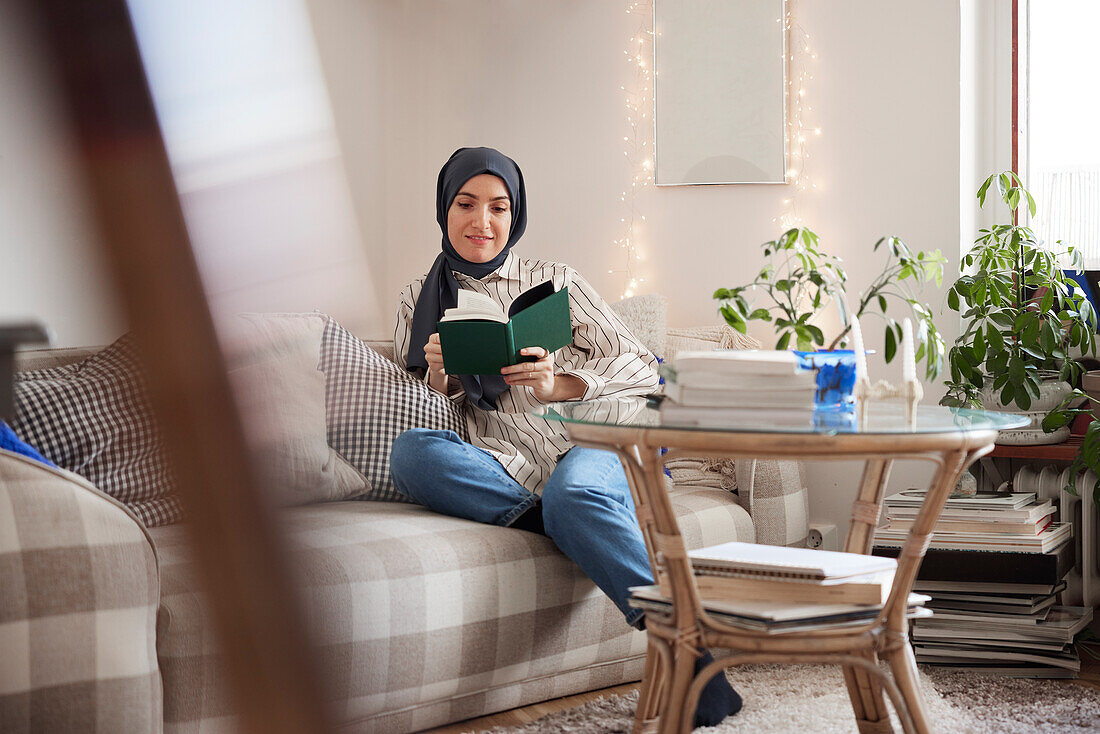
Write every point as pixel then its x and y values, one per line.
pixel 775 611
pixel 778 562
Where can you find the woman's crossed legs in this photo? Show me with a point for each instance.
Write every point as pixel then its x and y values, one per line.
pixel 586 507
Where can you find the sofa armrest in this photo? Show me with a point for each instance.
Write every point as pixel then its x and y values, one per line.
pixel 774 493
pixel 79 592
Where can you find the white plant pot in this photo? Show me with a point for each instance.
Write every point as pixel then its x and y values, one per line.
pixel 1051 393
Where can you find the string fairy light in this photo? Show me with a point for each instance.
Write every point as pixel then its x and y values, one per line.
pixel 800 57
pixel 637 144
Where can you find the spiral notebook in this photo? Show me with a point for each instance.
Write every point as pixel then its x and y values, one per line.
pixel 751 560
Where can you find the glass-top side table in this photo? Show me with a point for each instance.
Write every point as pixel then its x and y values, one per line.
pixel 886 418
pixel 950 438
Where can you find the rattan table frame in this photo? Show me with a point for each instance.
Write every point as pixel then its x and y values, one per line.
pixel 670 690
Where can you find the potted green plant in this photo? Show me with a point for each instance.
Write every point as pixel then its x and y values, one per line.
pixel 1025 321
pixel 799 279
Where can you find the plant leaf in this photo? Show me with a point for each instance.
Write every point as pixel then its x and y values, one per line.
pixel 760 313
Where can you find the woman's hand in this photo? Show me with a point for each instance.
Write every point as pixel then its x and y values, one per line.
pixel 433 355
pixel 539 376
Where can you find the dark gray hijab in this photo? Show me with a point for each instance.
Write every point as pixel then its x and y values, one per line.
pixel 440 290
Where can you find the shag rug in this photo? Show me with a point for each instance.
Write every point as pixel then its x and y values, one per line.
pixel 805 698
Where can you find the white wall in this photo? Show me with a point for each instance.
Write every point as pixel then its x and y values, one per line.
pixel 411 80
pixel 541 81
pixel 245 114
pixel 50 266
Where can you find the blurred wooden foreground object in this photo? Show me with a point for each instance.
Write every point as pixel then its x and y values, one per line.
pixel 93 52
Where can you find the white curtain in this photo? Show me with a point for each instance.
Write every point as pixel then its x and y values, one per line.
pixel 1069 209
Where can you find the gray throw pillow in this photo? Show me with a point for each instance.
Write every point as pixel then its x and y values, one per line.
pixel 93 418
pixel 370 401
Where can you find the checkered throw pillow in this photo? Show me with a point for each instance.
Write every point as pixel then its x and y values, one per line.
pixel 370 401
pixel 94 418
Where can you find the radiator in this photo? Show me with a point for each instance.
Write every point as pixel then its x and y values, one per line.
pixel 1083 582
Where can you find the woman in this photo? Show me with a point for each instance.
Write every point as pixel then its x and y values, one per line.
pixel 517 470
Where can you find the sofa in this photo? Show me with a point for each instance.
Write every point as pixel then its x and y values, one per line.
pixel 417 619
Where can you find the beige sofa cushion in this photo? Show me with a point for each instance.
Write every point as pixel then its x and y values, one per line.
pixel 424 619
pixel 280 391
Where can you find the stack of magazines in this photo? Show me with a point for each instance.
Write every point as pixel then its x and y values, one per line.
pixel 779 589
pixel 986 521
pixel 994 570
pixel 722 387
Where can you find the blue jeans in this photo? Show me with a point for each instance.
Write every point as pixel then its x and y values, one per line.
pixel 586 503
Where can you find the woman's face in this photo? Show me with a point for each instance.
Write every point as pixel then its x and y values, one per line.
pixel 480 219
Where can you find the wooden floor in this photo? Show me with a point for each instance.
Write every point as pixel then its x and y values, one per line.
pixel 1090 676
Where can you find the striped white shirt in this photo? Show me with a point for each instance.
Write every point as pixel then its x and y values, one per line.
pixel 604 354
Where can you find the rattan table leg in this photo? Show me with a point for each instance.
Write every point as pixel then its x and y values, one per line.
pixel 904 667
pixel 868 702
pixel 673 704
pixel 650 692
pixel 864 689
pixel 867 505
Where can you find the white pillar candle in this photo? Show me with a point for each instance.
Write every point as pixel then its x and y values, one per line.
pixel 857 347
pixel 908 354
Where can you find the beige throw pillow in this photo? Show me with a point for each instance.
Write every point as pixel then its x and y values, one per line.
pixel 280 391
pixel 706 338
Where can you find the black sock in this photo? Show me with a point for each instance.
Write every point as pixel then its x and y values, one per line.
pixel 531 520
pixel 718 699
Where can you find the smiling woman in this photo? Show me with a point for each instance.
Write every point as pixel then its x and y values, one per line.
pixel 480 219
pixel 515 470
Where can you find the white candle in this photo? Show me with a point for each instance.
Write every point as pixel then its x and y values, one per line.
pixel 857 347
pixel 908 354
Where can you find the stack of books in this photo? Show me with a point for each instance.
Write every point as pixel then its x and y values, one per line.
pixel 993 572
pixel 722 387
pixel 986 521
pixel 779 589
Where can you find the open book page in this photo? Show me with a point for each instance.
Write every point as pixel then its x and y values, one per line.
pixel 473 305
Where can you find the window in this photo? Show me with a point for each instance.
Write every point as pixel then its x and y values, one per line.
pixel 1059 105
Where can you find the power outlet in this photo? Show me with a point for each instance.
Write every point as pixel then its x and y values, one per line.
pixel 822 537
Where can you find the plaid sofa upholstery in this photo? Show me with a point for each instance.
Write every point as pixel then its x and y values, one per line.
pixel 419 619
pixel 79 593
pixel 775 495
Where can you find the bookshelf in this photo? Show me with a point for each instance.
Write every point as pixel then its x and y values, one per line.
pixel 1065 451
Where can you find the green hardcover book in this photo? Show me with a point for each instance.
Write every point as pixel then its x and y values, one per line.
pixel 478 338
